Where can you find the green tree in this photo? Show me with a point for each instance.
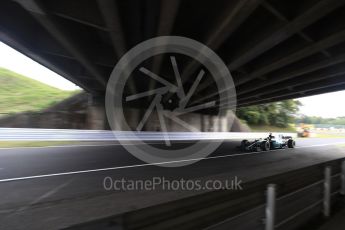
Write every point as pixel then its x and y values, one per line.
pixel 277 113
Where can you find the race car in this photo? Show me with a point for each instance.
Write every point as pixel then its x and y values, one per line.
pixel 271 142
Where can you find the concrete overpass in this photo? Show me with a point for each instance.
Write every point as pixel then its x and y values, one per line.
pixel 275 50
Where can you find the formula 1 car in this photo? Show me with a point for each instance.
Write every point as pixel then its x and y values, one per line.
pixel 271 142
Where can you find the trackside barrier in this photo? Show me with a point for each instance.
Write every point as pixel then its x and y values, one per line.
pixel 327 192
pixel 270 206
pixel 342 191
pixel 13 134
pixel 270 214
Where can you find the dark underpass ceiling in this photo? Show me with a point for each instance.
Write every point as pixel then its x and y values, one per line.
pixel 275 49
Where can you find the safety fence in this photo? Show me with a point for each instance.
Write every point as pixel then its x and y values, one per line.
pixel 9 134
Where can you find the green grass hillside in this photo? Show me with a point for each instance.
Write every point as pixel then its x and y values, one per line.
pixel 19 93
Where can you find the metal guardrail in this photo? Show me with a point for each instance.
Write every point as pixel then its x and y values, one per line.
pixel 270 207
pixel 325 201
pixel 11 134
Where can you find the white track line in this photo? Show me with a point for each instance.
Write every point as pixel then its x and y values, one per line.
pixel 144 165
pixel 123 167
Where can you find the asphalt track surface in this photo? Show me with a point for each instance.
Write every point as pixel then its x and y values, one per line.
pixel 56 187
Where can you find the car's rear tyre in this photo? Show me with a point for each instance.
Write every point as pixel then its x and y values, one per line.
pixel 291 143
pixel 244 144
pixel 265 145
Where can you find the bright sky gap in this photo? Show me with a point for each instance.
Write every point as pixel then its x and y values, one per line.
pixel 19 63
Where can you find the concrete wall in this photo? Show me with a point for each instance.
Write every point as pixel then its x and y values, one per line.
pixel 48 120
pixel 202 122
pixel 86 112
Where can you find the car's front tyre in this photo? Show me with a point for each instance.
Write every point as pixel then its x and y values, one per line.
pixel 291 143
